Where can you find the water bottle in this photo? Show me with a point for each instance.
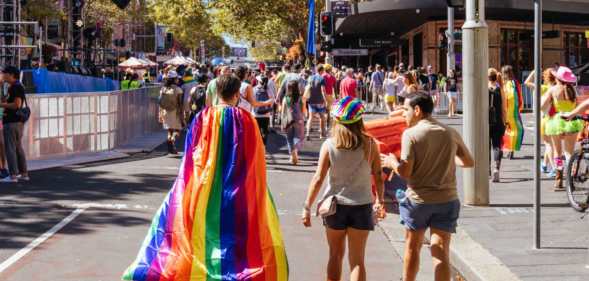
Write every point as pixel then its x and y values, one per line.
pixel 400 195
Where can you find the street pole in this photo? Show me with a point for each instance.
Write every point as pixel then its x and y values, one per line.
pixel 328 56
pixel 475 51
pixel 537 101
pixel 451 56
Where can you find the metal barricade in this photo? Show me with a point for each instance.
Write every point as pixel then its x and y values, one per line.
pixel 62 124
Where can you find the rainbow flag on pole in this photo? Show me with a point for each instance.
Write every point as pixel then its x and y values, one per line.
pixel 219 221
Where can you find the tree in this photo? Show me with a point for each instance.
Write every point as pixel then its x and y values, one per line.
pixel 188 20
pixel 271 22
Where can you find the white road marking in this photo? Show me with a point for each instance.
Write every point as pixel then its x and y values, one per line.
pixel 24 251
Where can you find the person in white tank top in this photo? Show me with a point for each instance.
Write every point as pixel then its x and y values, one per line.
pixel 247 100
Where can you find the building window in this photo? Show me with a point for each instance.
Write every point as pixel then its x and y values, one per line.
pixel 517 49
pixel 577 52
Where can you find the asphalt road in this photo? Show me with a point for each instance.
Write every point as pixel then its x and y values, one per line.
pixel 86 223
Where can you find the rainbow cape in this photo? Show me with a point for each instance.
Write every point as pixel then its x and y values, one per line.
pixel 218 222
pixel 514 135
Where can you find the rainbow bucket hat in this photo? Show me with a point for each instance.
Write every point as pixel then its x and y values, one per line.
pixel 347 110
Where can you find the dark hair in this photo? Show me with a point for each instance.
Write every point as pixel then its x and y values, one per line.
pixel 570 93
pixel 241 72
pixel 264 82
pixel 202 79
pixel 170 82
pixel 423 100
pixel 135 76
pixel 320 68
pixel 507 71
pixel 228 86
pixel 11 70
pixel 292 91
pixel 298 67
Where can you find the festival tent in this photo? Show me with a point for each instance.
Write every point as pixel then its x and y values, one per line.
pixel 178 60
pixel 133 62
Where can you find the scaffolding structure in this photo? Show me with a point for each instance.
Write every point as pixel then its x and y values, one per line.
pixel 9 32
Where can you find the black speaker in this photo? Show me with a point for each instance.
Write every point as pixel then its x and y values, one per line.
pixel 122 4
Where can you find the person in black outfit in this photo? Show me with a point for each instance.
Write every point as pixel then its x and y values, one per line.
pixel 496 121
pixel 13 127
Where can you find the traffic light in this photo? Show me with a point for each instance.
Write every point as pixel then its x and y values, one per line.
pixel 122 4
pixel 455 3
pixel 326 21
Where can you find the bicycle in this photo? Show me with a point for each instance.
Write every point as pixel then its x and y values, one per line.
pixel 577 173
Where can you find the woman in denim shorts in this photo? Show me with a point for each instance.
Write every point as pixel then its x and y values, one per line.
pixel 350 159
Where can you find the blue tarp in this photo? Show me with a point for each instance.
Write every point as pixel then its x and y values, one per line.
pixel 59 82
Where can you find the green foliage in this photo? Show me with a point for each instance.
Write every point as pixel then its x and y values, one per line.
pixel 40 10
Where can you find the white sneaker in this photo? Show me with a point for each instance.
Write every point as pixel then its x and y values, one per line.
pixel 9 180
pixel 20 177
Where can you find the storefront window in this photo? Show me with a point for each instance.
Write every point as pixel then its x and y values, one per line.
pixel 577 52
pixel 517 49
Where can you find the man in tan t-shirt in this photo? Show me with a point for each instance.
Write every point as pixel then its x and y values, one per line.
pixel 430 152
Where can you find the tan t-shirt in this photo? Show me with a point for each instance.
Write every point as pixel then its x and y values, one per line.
pixel 431 146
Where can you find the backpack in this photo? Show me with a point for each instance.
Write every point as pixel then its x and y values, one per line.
pixel 168 99
pixel 287 118
pixel 261 95
pixel 492 109
pixel 197 98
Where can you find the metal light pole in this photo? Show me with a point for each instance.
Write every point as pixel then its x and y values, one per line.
pixel 475 51
pixel 537 101
pixel 451 56
pixel 328 56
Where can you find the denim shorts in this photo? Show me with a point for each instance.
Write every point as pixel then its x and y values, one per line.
pixel 358 217
pixel 317 108
pixel 442 216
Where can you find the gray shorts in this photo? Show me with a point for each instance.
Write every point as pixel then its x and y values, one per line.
pixel 443 216
pixel 358 217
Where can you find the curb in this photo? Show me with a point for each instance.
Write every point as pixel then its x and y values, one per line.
pixel 475 263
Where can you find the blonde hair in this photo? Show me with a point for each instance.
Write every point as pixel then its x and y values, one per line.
pixel 350 136
pixel 548 77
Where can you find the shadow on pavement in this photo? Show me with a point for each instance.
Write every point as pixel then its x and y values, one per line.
pixel 29 209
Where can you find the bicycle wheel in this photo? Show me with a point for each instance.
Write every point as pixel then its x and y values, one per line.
pixel 577 187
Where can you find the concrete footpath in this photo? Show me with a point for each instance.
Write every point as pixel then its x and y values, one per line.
pixel 496 242
pixel 145 143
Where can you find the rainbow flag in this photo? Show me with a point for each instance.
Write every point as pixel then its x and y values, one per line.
pixel 219 221
pixel 514 134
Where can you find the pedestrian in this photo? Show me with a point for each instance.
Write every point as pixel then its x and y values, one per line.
pixel 212 98
pixel 263 92
pixel 196 99
pixel 3 95
pixel 561 99
pixel 13 125
pixel 496 121
pixel 430 152
pixel 376 89
pixel 171 113
pixel 452 92
pixel 514 133
pixel 330 83
pixel 218 220
pixel 391 89
pixel 432 78
pixel 292 121
pixel 350 161
pixel 423 79
pixel 246 92
pixel 409 87
pixel 549 81
pixel 314 97
pixel 361 84
pixel 349 85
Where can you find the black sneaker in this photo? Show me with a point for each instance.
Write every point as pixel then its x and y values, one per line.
pixel 4 173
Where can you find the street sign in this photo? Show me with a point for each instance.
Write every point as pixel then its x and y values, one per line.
pixel 349 52
pixel 374 43
pixel 341 8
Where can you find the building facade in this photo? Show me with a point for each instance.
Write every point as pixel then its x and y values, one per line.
pixel 415 31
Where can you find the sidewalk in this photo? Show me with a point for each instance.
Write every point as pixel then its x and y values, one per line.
pixel 496 242
pixel 140 144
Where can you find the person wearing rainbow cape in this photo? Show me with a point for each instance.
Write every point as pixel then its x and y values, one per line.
pixel 218 222
pixel 514 134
